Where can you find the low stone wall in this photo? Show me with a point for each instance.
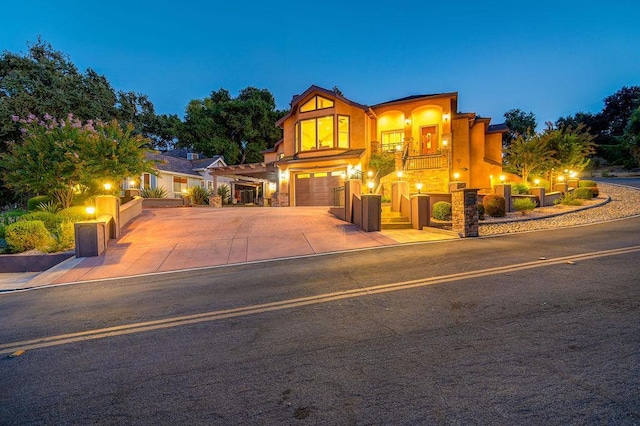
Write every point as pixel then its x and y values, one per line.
pixel 148 203
pixel 15 263
pixel 130 210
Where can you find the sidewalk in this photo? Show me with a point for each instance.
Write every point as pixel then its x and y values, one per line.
pixel 171 239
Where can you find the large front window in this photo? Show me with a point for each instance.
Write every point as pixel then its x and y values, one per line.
pixel 320 133
pixel 179 184
pixel 392 139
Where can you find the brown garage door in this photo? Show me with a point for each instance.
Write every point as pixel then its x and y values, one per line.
pixel 316 189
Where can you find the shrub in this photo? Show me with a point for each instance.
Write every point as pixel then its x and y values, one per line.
pixel 29 234
pixel 51 220
pixel 442 210
pixel 198 195
pixel 49 206
pixel 4 247
pixel 587 183
pixel 34 202
pixel 519 188
pixel 569 199
pixel 7 218
pixel 480 211
pixel 595 190
pixel 583 193
pixel 3 230
pixel 495 205
pixel 65 238
pixel 225 192
pixel 74 214
pixel 158 192
pixel 523 205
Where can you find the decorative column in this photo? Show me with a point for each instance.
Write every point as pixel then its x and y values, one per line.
pixel 398 189
pixel 464 212
pixel 505 191
pixel 371 212
pixel 419 211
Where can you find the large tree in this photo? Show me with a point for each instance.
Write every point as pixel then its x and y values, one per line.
pixel 519 123
pixel 237 128
pixel 572 147
pixel 529 153
pixel 57 157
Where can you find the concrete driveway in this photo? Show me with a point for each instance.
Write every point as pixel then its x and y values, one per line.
pixel 169 239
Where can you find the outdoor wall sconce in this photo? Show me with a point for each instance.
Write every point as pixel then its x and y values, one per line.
pixel 445 142
pixel 399 174
pixel 419 186
pixel 283 176
pixel 370 184
pixel 408 121
pixel 445 117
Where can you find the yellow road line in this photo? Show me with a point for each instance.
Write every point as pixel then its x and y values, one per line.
pixel 293 303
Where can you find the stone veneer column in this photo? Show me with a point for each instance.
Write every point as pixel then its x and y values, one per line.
pixel 464 212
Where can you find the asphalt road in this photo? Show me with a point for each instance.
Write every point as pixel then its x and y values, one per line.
pixel 535 328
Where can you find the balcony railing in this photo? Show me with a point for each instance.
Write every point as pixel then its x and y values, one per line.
pixel 424 162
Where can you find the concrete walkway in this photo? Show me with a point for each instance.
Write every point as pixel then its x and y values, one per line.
pixel 173 239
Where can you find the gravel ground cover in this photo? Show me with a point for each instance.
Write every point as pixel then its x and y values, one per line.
pixel 614 202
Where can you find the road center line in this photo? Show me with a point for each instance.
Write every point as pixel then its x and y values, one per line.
pixel 293 303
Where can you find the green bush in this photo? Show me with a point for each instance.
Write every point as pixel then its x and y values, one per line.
pixel 583 193
pixel 480 211
pixel 225 192
pixel 442 210
pixel 51 220
pixel 74 214
pixel 495 205
pixel 587 183
pixel 28 235
pixel 569 199
pixel 519 189
pixel 65 238
pixel 33 202
pixel 49 206
pixel 523 205
pixel 3 230
pixel 158 192
pixel 7 218
pixel 595 190
pixel 4 246
pixel 198 195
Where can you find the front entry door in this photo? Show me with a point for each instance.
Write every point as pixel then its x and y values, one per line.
pixel 429 140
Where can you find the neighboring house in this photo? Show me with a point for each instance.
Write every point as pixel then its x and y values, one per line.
pixel 179 170
pixel 328 138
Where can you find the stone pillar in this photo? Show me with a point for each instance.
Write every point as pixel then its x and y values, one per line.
pixel 91 237
pixel 215 201
pixel 505 191
pixel 456 185
pixel 419 211
pixel 561 187
pixel 351 187
pixel 371 212
pixel 398 160
pixel 129 194
pixel 539 192
pixel 464 212
pixel 398 189
pixel 109 205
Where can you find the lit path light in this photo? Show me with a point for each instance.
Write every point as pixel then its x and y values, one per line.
pixel 122 330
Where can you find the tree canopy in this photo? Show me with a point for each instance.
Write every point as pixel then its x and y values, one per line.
pixel 519 123
pixel 237 128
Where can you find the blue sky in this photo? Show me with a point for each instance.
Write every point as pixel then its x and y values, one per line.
pixel 551 58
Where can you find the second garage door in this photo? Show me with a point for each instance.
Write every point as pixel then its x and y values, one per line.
pixel 316 189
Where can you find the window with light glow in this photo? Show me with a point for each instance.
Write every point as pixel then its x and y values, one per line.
pixel 315 103
pixel 179 184
pixel 316 133
pixel 343 131
pixel 325 132
pixel 391 139
pixel 308 139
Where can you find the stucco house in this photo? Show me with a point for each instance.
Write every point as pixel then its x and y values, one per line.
pixel 328 138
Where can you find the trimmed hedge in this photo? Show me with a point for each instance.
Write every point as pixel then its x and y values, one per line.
pixel 587 183
pixel 583 193
pixel 34 202
pixel 495 205
pixel 51 220
pixel 441 210
pixel 523 205
pixel 28 235
pixel 520 188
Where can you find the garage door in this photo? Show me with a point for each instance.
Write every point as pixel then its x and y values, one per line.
pixel 316 189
